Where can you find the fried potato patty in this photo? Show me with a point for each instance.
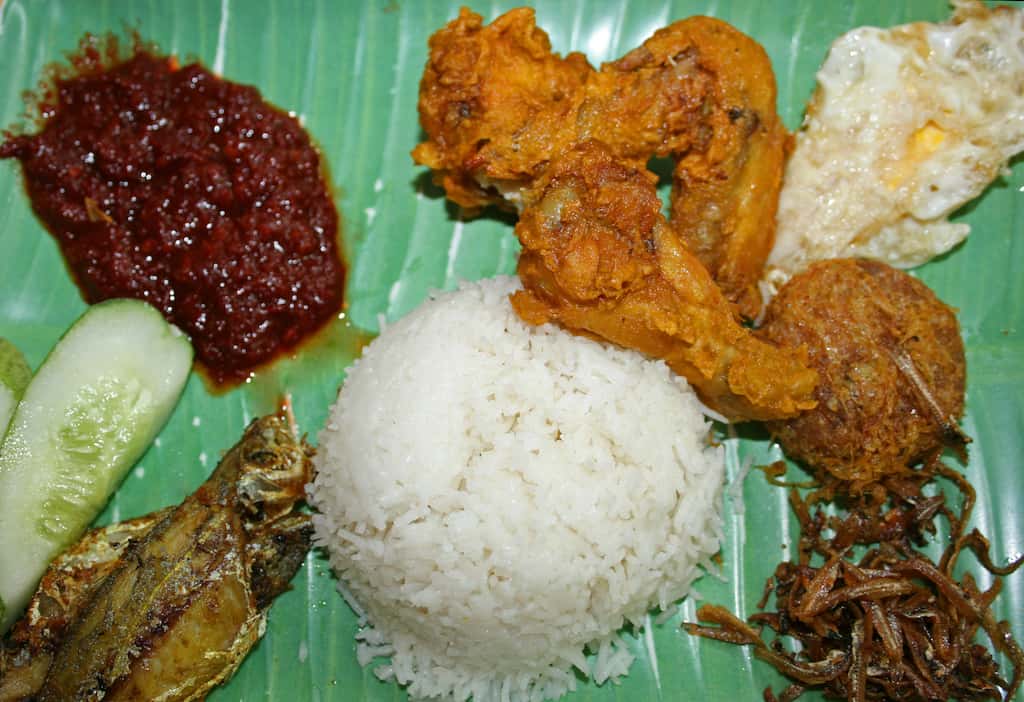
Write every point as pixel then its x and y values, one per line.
pixel 891 363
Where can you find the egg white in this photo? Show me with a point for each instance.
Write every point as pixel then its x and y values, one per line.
pixel 906 125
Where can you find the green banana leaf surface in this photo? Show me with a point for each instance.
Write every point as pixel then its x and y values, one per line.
pixel 351 72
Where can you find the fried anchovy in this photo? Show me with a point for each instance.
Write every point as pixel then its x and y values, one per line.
pixel 893 625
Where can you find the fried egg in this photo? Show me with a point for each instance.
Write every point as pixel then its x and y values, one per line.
pixel 906 125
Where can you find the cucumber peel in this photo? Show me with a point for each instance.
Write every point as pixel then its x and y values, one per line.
pixel 14 376
pixel 89 413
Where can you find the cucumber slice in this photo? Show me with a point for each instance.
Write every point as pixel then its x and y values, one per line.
pixel 88 414
pixel 14 376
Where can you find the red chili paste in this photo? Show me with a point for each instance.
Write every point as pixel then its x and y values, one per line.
pixel 190 192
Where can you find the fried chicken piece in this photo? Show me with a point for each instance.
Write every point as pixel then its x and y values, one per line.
pixel 509 123
pixel 599 258
pixel 497 104
pixel 891 363
pixel 726 182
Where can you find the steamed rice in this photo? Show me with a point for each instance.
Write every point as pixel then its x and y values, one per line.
pixel 496 497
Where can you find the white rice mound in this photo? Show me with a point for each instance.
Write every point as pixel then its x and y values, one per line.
pixel 496 497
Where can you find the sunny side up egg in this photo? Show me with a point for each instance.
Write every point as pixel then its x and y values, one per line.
pixel 906 125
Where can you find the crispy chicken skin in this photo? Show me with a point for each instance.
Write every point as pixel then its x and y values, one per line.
pixel 599 258
pixel 725 188
pixel 498 105
pixel 512 124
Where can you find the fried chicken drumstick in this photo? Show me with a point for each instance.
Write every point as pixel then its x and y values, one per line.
pixel 514 125
pixel 599 258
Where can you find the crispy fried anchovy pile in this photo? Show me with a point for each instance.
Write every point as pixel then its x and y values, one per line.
pixel 892 625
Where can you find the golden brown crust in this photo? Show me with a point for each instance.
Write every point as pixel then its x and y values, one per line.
pixel 729 171
pixel 891 362
pixel 498 106
pixel 599 258
pixel 511 123
pixel 494 101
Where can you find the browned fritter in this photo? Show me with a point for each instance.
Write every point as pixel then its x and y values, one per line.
pixel 891 366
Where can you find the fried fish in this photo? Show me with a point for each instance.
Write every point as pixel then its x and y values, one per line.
pixel 166 607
